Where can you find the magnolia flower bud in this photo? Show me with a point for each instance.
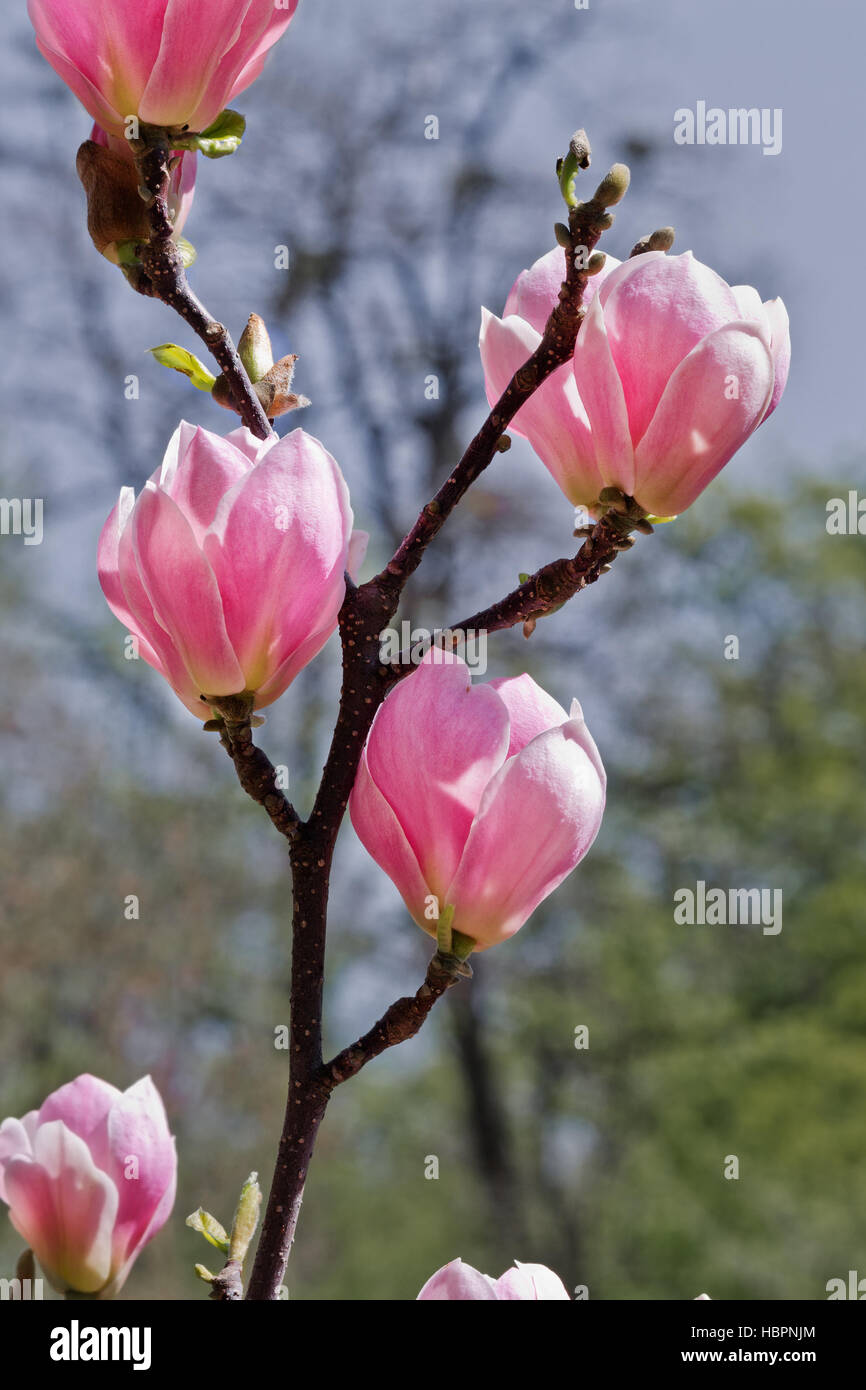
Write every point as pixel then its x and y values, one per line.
pixel 230 565
pixel 508 806
pixel 89 1178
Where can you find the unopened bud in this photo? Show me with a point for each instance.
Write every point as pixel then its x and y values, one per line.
pixel 254 348
pixel 579 149
pixel 563 236
pixel 596 263
pixel 613 186
pixel 662 240
pixel 246 1218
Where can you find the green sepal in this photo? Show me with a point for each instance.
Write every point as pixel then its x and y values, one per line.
pixel 208 1226
pixel 179 360
pixel 221 138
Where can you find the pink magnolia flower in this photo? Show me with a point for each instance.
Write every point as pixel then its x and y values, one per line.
pixel 169 62
pixel 673 371
pixel 229 567
pixel 484 797
pixel 460 1281
pixel 89 1179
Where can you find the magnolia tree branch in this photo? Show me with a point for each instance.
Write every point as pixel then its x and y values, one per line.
pixel 399 1023
pixel 365 612
pixel 164 278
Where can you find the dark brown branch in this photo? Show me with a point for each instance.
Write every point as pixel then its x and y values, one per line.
pixel 256 773
pixel 552 585
pixel 164 278
pixel 365 612
pixel 399 1023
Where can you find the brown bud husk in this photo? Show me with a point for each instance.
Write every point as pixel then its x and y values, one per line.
pixel 115 211
pixel 273 390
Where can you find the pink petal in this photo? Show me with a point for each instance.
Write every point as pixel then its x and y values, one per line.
pixel 458 1282
pixel 382 836
pixel 528 1281
pixel 697 428
pixel 291 666
pixel 83 1105
pixel 780 346
pixel 143 1163
pixel 435 744
pixel 538 818
pixel 181 85
pixel 64 1208
pixel 181 587
pixel 279 547
pixel 530 709
pixel 198 470
pixel 358 543
pixel 240 56
pixel 553 419
pixel 535 292
pixel 108 569
pixel 15 1142
pixel 155 644
pixel 601 393
pixel 656 309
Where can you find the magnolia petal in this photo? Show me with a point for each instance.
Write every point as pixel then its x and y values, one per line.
pixel 530 709
pixel 601 391
pixel 553 419
pixel 64 1208
pixel 700 424
pixel 435 743
pixel 381 834
pixel 538 818
pixel 183 592
pixel 458 1282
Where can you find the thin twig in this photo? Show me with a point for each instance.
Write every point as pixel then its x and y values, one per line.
pixel 399 1023
pixel 164 278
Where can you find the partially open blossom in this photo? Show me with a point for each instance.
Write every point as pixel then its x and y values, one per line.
pixel 481 797
pixel 229 566
pixel 673 371
pixel 461 1282
pixel 89 1179
pixel 116 212
pixel 168 62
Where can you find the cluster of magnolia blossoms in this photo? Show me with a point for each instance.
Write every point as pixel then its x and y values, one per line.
pixel 672 372
pixel 89 1179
